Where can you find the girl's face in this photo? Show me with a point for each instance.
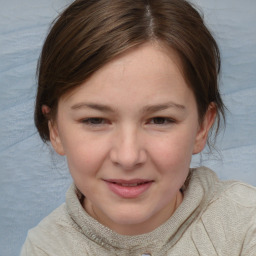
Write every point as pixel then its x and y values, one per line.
pixel 129 133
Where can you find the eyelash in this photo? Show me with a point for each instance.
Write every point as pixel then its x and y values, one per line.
pixel 96 121
pixel 165 120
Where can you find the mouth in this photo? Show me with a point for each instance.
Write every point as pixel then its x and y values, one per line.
pixel 129 188
pixel 130 184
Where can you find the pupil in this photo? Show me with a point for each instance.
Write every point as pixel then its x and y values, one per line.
pixel 96 120
pixel 159 120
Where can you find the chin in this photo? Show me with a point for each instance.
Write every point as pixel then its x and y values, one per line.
pixel 131 218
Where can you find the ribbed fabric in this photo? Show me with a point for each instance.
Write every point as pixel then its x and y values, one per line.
pixel 215 218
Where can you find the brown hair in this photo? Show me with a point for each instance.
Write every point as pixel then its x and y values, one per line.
pixel 89 33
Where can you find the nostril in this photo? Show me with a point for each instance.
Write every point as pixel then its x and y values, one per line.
pixel 128 151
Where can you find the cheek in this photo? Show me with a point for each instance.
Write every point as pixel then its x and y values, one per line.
pixel 85 156
pixel 173 150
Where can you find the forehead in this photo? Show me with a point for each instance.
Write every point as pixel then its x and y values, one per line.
pixel 147 72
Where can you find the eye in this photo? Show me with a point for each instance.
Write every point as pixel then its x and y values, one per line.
pixel 94 121
pixel 161 121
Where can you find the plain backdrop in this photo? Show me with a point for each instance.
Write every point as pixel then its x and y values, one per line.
pixel 33 180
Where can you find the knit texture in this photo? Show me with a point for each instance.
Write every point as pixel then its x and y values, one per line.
pixel 215 218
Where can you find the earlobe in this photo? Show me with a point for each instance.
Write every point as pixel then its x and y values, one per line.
pixel 204 129
pixel 53 131
pixel 46 110
pixel 55 138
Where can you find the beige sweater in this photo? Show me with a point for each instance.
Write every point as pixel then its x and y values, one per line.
pixel 215 218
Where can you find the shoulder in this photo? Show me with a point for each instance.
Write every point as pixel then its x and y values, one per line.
pixel 228 198
pixel 241 194
pixel 57 221
pixel 55 233
pixel 229 219
pixel 233 204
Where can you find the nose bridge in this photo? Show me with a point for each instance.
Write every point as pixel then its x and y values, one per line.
pixel 128 150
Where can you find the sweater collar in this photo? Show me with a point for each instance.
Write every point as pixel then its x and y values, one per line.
pixel 197 195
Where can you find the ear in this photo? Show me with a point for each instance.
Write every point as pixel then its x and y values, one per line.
pixel 55 138
pixel 204 128
pixel 53 131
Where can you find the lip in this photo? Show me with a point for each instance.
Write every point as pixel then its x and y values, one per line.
pixel 129 188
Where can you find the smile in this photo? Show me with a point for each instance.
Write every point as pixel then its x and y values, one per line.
pixel 129 189
pixel 130 184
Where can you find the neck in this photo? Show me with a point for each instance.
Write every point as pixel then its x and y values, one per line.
pixel 132 229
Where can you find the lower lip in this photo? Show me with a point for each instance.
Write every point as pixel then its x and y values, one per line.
pixel 129 192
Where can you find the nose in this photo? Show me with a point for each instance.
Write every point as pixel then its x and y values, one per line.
pixel 128 150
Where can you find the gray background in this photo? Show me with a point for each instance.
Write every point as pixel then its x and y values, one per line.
pixel 33 180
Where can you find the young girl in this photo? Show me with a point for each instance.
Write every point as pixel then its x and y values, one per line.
pixel 128 92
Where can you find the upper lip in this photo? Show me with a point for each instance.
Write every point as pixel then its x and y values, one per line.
pixel 132 181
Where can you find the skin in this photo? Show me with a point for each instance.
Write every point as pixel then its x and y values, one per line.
pixel 135 118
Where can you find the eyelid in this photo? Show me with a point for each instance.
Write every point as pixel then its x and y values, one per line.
pixel 167 120
pixel 100 121
pixel 89 121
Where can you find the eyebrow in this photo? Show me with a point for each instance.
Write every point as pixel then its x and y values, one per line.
pixel 100 107
pixel 159 107
pixel 146 109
